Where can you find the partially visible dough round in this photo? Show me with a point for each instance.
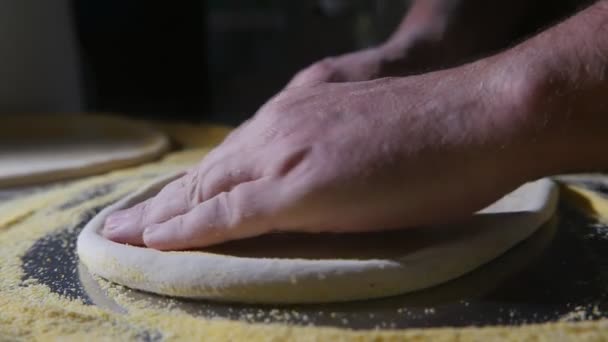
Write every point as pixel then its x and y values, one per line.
pixel 300 268
pixel 44 148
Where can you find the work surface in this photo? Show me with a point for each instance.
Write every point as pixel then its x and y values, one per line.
pixel 559 274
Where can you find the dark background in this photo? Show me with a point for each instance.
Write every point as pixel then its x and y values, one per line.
pixel 216 60
pixel 220 60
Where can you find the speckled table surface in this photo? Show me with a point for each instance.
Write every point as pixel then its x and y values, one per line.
pixel 560 273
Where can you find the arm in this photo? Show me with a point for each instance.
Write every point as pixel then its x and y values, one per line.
pixel 563 82
pixel 393 152
pixel 437 34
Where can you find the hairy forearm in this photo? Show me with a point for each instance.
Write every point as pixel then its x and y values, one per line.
pixel 560 77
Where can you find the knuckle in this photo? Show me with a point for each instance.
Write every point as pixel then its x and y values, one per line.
pixel 228 211
pixel 192 190
pixel 214 180
pixel 326 64
pixel 318 72
pixel 144 213
pixel 191 187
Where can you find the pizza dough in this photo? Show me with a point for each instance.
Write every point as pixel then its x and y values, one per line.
pixel 44 148
pixel 299 268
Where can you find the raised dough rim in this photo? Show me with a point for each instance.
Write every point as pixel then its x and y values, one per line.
pixel 95 251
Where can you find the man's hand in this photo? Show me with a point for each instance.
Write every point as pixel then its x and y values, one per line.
pixel 344 157
pixel 396 152
pixel 436 34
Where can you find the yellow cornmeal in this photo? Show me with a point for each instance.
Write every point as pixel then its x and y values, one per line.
pixel 586 201
pixel 31 311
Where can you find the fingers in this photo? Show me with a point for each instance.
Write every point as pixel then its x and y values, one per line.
pixel 127 226
pixel 177 198
pixel 317 73
pixel 224 176
pixel 245 211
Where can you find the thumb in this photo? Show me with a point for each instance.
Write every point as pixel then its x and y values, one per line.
pixel 243 212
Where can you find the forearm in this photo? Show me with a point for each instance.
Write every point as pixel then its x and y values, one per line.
pixel 560 80
pixel 444 33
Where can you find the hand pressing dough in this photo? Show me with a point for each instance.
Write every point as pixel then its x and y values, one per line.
pixel 44 148
pixel 305 268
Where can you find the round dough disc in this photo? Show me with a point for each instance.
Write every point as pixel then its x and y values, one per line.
pixel 44 148
pixel 316 268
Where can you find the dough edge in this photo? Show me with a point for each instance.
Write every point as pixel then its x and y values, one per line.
pixel 202 275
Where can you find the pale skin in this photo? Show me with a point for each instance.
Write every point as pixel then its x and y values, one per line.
pixel 393 152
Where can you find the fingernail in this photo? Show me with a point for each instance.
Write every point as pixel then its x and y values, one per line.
pixel 116 221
